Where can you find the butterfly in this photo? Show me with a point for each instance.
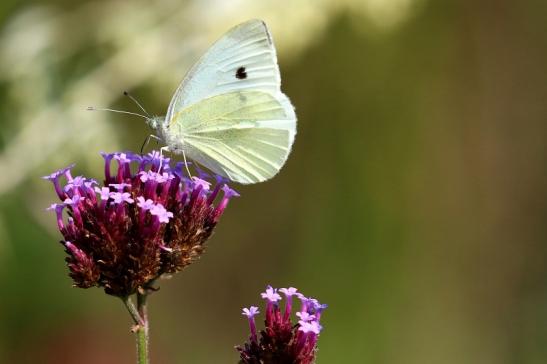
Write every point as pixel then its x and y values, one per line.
pixel 229 114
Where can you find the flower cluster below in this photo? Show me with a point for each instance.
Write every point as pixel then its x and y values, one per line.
pixel 281 341
pixel 147 219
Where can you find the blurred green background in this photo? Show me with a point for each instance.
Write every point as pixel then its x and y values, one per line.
pixel 413 203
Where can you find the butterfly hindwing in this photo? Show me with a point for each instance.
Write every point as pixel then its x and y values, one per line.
pixel 245 136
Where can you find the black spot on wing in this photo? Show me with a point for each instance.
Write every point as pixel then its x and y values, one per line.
pixel 241 74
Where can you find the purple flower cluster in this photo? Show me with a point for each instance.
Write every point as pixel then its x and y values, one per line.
pixel 147 219
pixel 281 341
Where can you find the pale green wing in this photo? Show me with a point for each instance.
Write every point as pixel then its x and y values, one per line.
pixel 242 59
pixel 245 136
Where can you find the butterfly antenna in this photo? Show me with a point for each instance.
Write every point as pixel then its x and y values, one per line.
pixel 93 108
pixel 136 102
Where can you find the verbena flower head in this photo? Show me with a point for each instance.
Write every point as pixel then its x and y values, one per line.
pixel 282 341
pixel 141 223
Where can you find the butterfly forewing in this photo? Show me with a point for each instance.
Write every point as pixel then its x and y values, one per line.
pixel 243 59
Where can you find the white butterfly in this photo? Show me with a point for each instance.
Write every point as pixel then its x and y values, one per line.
pixel 229 113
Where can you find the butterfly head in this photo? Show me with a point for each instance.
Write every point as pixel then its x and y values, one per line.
pixel 155 122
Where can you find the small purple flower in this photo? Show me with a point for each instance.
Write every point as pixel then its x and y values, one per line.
pixel 313 303
pixel 54 178
pixel 304 316
pixel 201 183
pixel 154 156
pixel 156 159
pixel 104 192
pixel 107 159
pixel 309 327
pixel 154 176
pixel 58 173
pixel 250 312
pixel 146 220
pixel 74 200
pixel 319 309
pixel 164 177
pixel 119 186
pixel 281 341
pixel 77 182
pixel 162 214
pixel 271 295
pixel 288 292
pixel 145 176
pixel 58 208
pixel 145 204
pixel 291 291
pixel 90 183
pixel 54 206
pixel 122 158
pixel 228 194
pixel 119 197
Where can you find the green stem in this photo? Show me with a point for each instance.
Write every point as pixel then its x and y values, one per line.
pixel 132 310
pixel 142 345
pixel 139 315
pixel 142 334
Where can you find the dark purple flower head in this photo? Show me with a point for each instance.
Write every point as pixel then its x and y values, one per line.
pixel 282 341
pixel 141 223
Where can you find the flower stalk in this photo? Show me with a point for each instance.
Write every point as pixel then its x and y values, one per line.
pixel 142 345
pixel 139 315
pixel 143 337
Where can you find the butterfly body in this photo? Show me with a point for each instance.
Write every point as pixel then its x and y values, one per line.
pixel 229 113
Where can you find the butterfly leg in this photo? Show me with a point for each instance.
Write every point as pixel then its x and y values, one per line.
pixel 147 140
pixel 186 164
pixel 161 156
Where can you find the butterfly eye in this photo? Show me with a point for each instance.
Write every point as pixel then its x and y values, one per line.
pixel 241 73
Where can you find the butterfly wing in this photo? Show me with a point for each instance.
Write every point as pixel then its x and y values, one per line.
pixel 243 59
pixel 229 113
pixel 245 136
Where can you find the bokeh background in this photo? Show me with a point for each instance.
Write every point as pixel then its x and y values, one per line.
pixel 413 203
